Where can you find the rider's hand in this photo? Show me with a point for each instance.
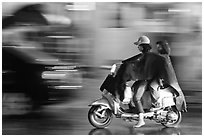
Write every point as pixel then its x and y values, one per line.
pixel 111 73
pixel 113 68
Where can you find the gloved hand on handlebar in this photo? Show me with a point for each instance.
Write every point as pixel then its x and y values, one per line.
pixel 113 69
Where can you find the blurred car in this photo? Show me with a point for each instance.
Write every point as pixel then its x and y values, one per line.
pixel 31 78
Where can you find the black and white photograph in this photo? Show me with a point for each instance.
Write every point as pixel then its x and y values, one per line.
pixel 101 68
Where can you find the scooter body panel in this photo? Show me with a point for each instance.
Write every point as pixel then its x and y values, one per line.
pixel 101 102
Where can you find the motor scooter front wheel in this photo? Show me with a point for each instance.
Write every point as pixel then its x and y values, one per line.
pixel 99 118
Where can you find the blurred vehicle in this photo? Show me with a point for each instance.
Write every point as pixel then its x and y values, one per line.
pixel 33 73
pixel 31 78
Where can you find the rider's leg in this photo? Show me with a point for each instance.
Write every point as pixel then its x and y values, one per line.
pixel 128 92
pixel 127 95
pixel 154 86
pixel 138 97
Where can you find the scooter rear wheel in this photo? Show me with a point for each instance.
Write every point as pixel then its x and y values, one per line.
pixel 96 119
pixel 177 121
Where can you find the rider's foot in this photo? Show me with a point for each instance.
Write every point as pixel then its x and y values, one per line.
pixel 140 122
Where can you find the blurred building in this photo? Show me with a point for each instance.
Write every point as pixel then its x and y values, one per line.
pixel 118 25
pixel 95 34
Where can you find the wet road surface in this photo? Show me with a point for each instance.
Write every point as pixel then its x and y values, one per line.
pixel 70 118
pixel 73 121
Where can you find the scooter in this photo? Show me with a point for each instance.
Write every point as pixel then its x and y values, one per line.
pixel 102 110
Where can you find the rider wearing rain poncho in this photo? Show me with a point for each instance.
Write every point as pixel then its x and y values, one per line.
pixel 164 51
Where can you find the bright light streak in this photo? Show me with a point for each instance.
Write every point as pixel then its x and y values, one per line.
pixel 67 87
pixel 179 10
pixel 66 70
pixel 81 6
pixel 63 67
pixel 49 75
pixel 20 47
pixel 61 37
pixel 47 60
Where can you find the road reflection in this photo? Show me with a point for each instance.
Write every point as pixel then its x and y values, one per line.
pixel 100 131
pixel 132 131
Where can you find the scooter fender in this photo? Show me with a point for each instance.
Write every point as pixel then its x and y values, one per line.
pixel 102 102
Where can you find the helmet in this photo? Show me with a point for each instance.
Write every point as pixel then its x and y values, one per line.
pixel 142 40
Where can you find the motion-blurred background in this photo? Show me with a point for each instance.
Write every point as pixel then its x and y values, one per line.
pixel 52 51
